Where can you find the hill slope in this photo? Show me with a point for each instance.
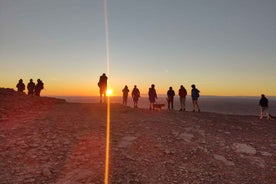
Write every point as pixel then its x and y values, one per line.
pixel 46 140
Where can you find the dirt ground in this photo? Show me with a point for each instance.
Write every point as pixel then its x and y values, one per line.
pixel 47 140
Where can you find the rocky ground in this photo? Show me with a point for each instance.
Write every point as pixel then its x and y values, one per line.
pixel 47 140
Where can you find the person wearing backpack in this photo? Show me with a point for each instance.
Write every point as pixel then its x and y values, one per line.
pixel 31 87
pixel 135 96
pixel 103 87
pixel 39 86
pixel 195 95
pixel 152 96
pixel 263 103
pixel 182 92
pixel 20 86
pixel 170 98
pixel 125 95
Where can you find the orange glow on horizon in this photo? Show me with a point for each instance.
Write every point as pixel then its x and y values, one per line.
pixel 90 88
pixel 160 91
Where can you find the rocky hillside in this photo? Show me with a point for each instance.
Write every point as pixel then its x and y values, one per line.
pixel 46 140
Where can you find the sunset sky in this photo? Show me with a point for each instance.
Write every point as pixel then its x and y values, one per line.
pixel 225 47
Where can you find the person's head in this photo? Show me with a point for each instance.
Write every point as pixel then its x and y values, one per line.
pixel 103 74
pixel 152 86
pixel 181 86
pixel 135 86
pixel 20 80
pixel 262 95
pixel 170 88
pixel 193 86
pixel 31 80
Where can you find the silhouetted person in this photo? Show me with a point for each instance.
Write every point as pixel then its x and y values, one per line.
pixel 182 92
pixel 103 86
pixel 31 87
pixel 125 95
pixel 38 87
pixel 195 95
pixel 135 96
pixel 20 86
pixel 264 107
pixel 170 97
pixel 152 96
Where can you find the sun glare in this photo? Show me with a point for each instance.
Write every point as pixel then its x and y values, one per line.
pixel 109 92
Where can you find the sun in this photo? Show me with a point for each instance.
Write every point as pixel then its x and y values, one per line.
pixel 109 92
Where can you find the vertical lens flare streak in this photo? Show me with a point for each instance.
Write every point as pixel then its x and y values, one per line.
pixel 106 178
pixel 106 36
pixel 107 141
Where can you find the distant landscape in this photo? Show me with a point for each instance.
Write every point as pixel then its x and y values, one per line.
pixel 239 105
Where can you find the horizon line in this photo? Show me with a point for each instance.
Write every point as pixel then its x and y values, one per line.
pixel 163 95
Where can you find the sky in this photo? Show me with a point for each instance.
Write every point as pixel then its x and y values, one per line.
pixel 225 47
